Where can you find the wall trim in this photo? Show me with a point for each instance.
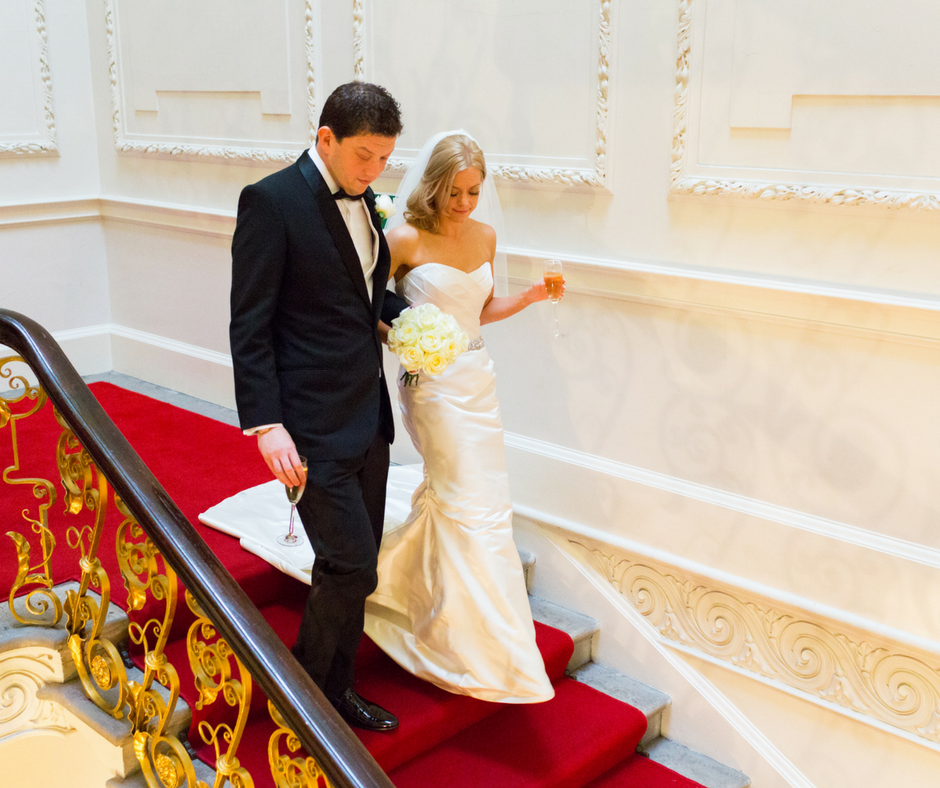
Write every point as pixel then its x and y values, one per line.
pixel 227 153
pixel 174 346
pixel 47 144
pixel 831 529
pixel 594 177
pixel 759 190
pixel 884 315
pixel 860 669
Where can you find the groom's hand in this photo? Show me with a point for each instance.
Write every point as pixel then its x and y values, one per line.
pixel 280 454
pixel 384 328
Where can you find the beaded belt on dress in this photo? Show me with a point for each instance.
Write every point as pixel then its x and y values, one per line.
pixel 475 344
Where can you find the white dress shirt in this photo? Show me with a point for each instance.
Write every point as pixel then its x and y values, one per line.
pixel 356 215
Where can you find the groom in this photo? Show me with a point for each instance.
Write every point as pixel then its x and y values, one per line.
pixel 309 267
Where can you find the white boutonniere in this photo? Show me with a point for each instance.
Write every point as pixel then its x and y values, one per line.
pixel 385 207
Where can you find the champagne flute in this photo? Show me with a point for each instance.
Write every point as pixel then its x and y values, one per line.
pixel 555 285
pixel 290 539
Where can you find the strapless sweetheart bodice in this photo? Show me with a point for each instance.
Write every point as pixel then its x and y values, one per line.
pixel 451 290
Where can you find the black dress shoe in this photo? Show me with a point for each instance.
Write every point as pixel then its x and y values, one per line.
pixel 361 713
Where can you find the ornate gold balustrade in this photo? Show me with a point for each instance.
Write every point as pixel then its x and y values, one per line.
pixel 155 547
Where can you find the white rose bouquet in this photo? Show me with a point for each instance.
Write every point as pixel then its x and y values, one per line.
pixel 426 340
pixel 385 207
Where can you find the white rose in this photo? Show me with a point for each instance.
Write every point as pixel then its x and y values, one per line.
pixel 464 340
pixel 406 334
pixel 435 363
pixel 384 206
pixel 451 349
pixel 411 359
pixel 430 341
pixel 428 316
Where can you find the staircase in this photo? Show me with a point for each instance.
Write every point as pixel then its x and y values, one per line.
pixel 602 729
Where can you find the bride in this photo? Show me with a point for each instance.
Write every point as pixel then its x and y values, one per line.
pixel 451 604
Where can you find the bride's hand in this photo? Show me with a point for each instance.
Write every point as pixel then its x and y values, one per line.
pixel 538 292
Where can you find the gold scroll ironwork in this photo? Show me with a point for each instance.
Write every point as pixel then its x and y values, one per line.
pixel 211 658
pixel 287 771
pixel 41 606
pixel 163 758
pixel 97 659
pixel 165 761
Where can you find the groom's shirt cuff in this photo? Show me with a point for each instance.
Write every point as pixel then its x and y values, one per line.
pixel 256 430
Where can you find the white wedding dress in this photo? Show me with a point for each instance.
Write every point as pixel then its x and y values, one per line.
pixel 451 604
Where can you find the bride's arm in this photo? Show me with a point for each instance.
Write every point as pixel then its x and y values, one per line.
pixel 400 246
pixel 505 306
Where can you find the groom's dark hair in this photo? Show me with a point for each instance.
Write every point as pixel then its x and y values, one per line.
pixel 361 108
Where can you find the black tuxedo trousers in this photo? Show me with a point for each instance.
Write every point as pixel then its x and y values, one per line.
pixel 306 354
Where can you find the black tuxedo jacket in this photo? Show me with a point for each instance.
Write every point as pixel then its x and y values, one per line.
pixel 303 333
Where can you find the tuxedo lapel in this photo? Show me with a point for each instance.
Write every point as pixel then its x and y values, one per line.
pixel 335 224
pixel 380 274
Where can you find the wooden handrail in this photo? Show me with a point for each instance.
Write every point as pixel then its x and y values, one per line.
pixel 321 731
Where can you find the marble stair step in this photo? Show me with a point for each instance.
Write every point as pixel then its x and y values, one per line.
pixel 528 566
pixel 694 765
pixel 111 739
pixel 650 701
pixel 582 629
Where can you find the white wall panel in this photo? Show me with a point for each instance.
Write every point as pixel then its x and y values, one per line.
pixel 27 123
pixel 841 99
pixel 506 73
pixel 240 82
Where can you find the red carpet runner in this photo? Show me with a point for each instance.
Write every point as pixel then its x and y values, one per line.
pixel 580 738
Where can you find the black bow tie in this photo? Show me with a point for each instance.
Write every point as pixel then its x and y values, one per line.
pixel 343 195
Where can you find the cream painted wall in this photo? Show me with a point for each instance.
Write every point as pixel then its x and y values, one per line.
pixel 52 263
pixel 747 381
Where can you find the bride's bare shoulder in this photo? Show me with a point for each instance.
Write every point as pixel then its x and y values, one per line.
pixel 484 230
pixel 486 237
pixel 403 239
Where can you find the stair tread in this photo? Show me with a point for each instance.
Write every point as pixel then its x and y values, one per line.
pixel 695 766
pixel 577 625
pixel 639 771
pixel 620 686
pixel 519 746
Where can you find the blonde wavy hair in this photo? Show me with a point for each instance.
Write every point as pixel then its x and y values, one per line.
pixel 451 155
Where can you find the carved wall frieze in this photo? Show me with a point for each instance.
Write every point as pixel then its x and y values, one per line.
pixel 359 67
pixel 221 152
pixel 23 673
pixel 686 184
pixel 889 683
pixel 48 144
pixel 517 173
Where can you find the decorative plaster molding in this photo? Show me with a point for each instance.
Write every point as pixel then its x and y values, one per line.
pixel 359 67
pixel 217 152
pixel 595 177
pixel 47 145
pixel 763 190
pixel 853 671
pixel 23 672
